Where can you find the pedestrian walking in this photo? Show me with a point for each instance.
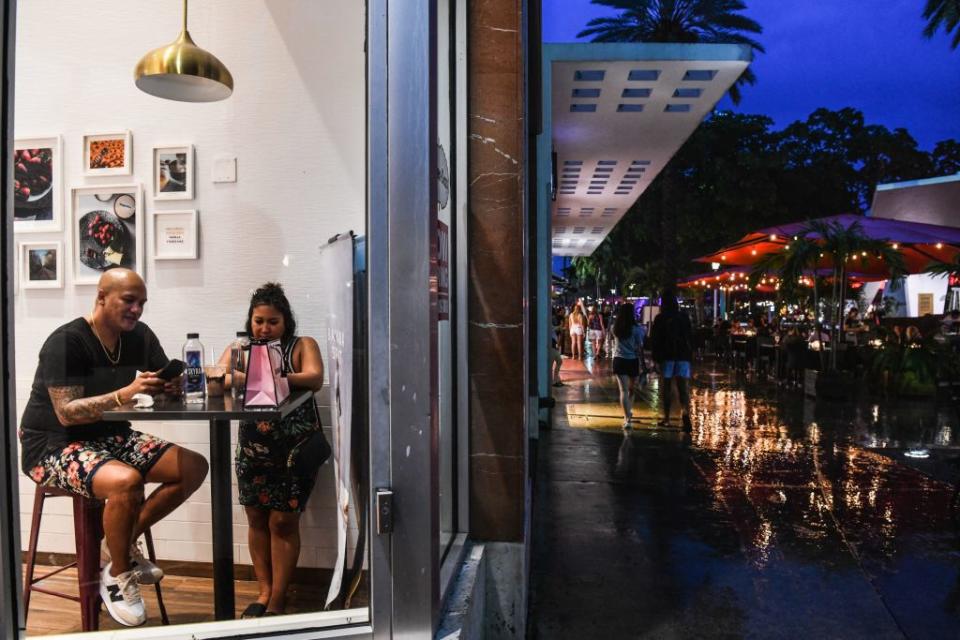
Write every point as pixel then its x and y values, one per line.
pixel 671 341
pixel 595 328
pixel 577 323
pixel 627 352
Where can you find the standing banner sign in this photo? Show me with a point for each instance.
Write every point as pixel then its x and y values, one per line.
pixel 336 269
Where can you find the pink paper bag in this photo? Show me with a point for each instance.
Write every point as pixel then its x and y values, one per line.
pixel 266 384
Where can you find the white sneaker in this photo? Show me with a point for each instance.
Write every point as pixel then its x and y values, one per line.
pixel 149 572
pixel 122 596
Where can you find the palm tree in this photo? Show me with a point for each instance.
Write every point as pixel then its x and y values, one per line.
pixel 945 13
pixel 942 268
pixel 801 256
pixel 708 21
pixel 840 247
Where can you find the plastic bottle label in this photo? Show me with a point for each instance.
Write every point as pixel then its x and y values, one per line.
pixel 193 372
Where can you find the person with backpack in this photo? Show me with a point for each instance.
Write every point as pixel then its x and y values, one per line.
pixel 671 343
pixel 627 353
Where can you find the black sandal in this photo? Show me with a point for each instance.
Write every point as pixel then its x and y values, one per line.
pixel 254 610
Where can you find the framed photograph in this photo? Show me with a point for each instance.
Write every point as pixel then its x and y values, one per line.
pixel 108 154
pixel 41 265
pixel 107 228
pixel 37 185
pixel 175 235
pixel 173 172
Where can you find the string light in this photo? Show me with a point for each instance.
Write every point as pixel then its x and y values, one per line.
pixel 939 245
pixel 896 246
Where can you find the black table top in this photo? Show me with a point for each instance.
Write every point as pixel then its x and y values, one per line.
pixel 217 408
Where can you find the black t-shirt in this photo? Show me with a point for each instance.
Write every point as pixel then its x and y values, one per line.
pixel 73 356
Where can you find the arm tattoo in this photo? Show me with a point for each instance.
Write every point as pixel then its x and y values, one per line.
pixel 72 408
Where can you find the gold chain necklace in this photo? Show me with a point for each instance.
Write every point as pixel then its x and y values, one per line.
pixel 104 347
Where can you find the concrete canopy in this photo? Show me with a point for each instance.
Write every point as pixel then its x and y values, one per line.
pixel 615 114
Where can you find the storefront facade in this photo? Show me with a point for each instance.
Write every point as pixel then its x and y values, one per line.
pixel 350 117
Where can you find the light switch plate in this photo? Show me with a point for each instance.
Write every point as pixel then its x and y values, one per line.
pixel 225 169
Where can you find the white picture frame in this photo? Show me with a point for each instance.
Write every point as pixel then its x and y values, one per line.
pixel 176 235
pixel 108 154
pixel 42 210
pixel 174 172
pixel 107 228
pixel 41 264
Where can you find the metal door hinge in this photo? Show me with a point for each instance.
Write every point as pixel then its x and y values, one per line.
pixel 384 511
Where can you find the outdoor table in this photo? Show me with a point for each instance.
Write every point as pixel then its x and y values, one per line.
pixel 218 411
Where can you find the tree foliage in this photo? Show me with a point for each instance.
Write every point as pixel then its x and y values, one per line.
pixel 737 174
pixel 943 13
pixel 708 21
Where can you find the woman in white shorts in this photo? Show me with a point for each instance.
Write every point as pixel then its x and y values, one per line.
pixel 578 325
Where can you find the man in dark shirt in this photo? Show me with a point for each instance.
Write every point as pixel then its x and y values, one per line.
pixel 671 343
pixel 86 367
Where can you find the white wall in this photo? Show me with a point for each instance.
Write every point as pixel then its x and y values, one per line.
pixel 296 125
pixel 924 283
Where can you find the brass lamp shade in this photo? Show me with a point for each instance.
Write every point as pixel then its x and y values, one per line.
pixel 183 71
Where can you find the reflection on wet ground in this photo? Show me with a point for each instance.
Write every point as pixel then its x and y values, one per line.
pixel 778 516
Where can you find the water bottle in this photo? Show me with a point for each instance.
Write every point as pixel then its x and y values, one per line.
pixel 194 384
pixel 239 350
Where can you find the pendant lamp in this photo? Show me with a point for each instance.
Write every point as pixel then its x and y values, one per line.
pixel 183 71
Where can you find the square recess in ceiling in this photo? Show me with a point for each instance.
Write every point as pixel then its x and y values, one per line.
pixel 573 162
pixel 586 93
pixel 596 230
pixel 635 93
pixel 606 163
pixel 644 75
pixel 603 169
pixel 563 211
pixel 583 108
pixel 640 163
pixel 687 93
pixel 630 108
pixel 589 75
pixel 677 108
pixel 579 230
pixel 699 75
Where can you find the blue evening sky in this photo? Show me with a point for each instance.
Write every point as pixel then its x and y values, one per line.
pixel 866 54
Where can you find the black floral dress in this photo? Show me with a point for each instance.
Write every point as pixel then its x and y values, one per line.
pixel 277 462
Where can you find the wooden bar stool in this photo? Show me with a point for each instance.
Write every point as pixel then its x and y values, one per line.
pixel 88 533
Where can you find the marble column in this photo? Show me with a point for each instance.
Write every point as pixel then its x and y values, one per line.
pixel 495 263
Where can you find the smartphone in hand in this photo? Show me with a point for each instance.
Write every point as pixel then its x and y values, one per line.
pixel 173 369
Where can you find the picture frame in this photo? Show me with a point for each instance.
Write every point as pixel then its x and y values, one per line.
pixel 176 235
pixel 106 226
pixel 38 184
pixel 108 154
pixel 41 264
pixel 174 172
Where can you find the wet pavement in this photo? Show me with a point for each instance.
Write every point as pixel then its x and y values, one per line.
pixel 778 517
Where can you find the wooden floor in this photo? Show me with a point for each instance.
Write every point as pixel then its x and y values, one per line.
pixel 188 599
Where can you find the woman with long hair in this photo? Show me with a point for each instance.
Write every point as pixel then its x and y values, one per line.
pixel 277 461
pixel 578 324
pixel 627 352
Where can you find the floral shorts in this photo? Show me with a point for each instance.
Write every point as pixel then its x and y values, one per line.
pixel 72 468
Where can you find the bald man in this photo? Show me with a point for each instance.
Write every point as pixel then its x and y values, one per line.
pixel 86 367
